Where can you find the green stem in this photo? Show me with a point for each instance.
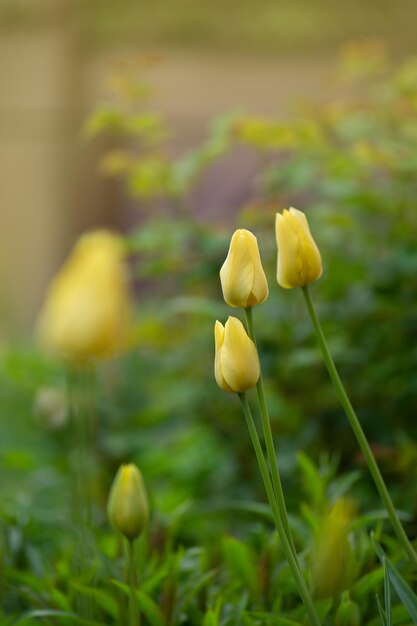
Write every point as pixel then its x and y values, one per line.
pixel 276 513
pixel 269 441
pixel 134 615
pixel 83 542
pixel 358 431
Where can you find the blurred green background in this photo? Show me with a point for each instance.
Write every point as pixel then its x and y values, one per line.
pixel 55 63
pixel 176 124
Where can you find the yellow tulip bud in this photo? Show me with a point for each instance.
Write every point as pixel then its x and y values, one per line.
pixel 236 363
pixel 86 309
pixel 127 508
pixel 242 275
pixel 299 260
pixel 332 557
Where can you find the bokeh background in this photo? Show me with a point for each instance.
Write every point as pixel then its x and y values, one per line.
pixel 174 123
pixel 205 59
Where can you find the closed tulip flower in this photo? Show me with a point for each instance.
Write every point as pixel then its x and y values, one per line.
pixel 236 363
pixel 242 276
pixel 127 508
pixel 86 309
pixel 333 561
pixel 299 260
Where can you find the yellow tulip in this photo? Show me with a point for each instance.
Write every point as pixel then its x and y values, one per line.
pixel 299 260
pixel 242 276
pixel 86 309
pixel 333 562
pixel 127 507
pixel 236 363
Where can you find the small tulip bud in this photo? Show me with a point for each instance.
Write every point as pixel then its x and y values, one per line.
pixel 299 260
pixel 127 507
pixel 242 276
pixel 236 363
pixel 332 557
pixel 86 310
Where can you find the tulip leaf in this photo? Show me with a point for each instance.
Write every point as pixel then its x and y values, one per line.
pixel 404 591
pixel 75 620
pixel 314 483
pixel 149 608
pixel 102 598
pixel 368 582
pixel 387 594
pixel 382 613
pixel 210 619
pixel 272 620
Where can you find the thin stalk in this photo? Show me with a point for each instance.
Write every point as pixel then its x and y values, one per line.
pixel 269 441
pixel 358 431
pixel 134 614
pixel 301 584
pixel 81 497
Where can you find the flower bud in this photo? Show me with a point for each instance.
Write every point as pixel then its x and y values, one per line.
pixel 299 260
pixel 242 276
pixel 332 556
pixel 86 310
pixel 236 363
pixel 127 507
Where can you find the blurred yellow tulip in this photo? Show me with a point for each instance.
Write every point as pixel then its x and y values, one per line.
pixel 299 260
pixel 86 310
pixel 236 363
pixel 242 276
pixel 332 557
pixel 127 507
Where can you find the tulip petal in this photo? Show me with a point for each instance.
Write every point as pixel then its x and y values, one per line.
pixel 299 260
pixel 288 248
pixel 218 341
pixel 260 290
pixel 239 357
pixel 237 272
pixel 301 218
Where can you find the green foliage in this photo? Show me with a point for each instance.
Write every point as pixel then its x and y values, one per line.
pixel 211 556
pixel 392 577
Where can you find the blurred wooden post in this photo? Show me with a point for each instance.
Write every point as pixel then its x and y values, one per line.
pixel 40 90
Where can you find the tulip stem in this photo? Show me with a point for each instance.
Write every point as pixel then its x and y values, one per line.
pixel 358 431
pixel 81 506
pixel 276 513
pixel 134 614
pixel 266 426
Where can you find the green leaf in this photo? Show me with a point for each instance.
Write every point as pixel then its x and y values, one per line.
pixel 323 607
pixel 368 583
pixel 75 619
pixel 102 598
pixel 387 593
pixel 196 588
pixel 313 482
pixel 272 620
pixel 406 594
pixel 240 562
pixel 404 591
pixel 210 618
pixel 381 612
pixel 148 607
